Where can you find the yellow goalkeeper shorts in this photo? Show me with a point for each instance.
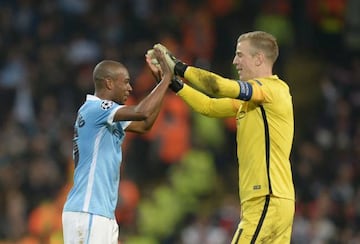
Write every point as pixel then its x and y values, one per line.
pixel 266 219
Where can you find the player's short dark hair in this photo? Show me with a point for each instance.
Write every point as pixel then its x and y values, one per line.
pixel 107 69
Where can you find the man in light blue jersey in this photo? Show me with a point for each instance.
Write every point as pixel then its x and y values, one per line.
pixel 99 130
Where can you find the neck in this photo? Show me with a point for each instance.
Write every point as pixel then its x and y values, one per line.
pixel 264 72
pixel 101 95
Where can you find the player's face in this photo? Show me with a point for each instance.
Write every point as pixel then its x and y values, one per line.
pixel 122 87
pixel 245 60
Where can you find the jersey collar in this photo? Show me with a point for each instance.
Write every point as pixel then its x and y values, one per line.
pixel 91 97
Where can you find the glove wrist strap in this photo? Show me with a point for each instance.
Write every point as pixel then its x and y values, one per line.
pixel 180 68
pixel 176 84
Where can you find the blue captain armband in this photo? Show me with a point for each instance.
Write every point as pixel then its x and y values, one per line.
pixel 246 90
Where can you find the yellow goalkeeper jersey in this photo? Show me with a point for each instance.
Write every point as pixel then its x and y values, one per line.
pixel 265 127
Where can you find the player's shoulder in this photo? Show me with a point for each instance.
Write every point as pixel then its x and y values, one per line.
pixel 270 81
pixel 100 104
pixel 263 80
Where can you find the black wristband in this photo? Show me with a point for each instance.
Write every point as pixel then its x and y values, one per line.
pixel 180 68
pixel 176 84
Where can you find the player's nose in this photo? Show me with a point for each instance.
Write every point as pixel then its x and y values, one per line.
pixel 130 88
pixel 234 60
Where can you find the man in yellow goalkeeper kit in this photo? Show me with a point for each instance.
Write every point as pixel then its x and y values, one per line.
pixel 262 105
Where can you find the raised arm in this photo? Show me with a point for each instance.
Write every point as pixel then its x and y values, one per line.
pixel 211 107
pixel 208 82
pixel 213 84
pixel 145 113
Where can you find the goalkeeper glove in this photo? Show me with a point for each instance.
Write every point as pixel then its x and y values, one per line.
pixel 176 65
pixel 176 84
pixel 153 60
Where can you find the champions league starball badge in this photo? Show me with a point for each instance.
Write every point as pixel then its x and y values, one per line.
pixel 106 104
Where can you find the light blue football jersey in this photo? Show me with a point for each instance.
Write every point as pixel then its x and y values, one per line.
pixel 97 155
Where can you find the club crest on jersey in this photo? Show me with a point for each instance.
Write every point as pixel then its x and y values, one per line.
pixel 106 104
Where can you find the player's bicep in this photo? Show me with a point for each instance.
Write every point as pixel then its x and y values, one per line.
pixel 135 126
pixel 126 113
pixel 253 91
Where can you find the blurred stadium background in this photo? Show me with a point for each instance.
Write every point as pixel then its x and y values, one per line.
pixel 179 182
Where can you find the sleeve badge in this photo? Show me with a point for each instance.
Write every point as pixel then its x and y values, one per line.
pixel 106 104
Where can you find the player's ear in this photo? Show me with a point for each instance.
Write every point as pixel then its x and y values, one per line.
pixel 108 83
pixel 259 58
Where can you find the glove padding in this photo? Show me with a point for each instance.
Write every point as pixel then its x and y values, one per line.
pixel 176 65
pixel 154 61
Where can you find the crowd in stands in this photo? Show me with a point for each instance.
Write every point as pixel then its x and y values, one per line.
pixel 47 53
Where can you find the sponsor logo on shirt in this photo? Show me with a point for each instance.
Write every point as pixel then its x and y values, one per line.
pixel 257 187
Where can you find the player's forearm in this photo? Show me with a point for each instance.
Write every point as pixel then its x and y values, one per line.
pixel 150 105
pixel 211 83
pixel 211 107
pixel 195 99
